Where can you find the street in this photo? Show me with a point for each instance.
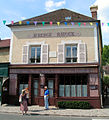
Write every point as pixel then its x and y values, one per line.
pixel 8 116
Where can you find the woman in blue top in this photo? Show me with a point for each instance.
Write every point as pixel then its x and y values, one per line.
pixel 46 94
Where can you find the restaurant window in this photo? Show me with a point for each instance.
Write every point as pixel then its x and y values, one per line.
pixel 35 54
pixel 23 82
pixel 73 86
pixel 71 53
pixel 36 88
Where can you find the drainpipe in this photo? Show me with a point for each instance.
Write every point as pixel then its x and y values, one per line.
pixel 99 65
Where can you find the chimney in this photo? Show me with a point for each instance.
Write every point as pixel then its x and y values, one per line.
pixel 93 10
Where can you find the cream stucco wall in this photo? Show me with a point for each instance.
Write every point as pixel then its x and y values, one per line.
pixel 25 37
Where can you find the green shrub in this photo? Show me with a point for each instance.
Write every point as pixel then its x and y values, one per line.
pixel 74 104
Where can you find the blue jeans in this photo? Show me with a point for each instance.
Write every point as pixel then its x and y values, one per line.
pixel 46 101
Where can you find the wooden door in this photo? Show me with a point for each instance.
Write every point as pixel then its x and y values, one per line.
pixel 35 91
pixel 50 84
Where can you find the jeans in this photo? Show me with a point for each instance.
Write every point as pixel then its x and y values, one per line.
pixel 46 101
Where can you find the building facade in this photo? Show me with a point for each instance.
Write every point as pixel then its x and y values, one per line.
pixel 4 63
pixel 61 54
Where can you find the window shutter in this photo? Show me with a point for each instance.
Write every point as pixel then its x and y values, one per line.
pixel 44 53
pixel 82 53
pixel 60 53
pixel 25 54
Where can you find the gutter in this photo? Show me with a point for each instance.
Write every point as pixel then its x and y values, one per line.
pixel 98 28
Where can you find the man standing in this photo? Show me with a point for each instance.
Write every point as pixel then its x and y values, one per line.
pixel 46 94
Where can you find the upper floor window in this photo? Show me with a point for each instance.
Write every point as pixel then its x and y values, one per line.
pixel 71 53
pixel 35 56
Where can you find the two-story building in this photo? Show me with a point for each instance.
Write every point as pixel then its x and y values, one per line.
pixel 60 49
pixel 4 63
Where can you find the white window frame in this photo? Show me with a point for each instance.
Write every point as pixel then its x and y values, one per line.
pixel 72 57
pixel 36 46
pixel 71 42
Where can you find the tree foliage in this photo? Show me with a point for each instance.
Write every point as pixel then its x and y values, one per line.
pixel 106 81
pixel 105 55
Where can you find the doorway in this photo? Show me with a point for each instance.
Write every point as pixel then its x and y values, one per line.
pixel 35 90
pixel 50 83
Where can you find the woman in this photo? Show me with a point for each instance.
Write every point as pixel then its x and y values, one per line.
pixel 23 102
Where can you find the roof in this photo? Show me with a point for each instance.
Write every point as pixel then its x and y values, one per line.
pixel 4 43
pixel 57 16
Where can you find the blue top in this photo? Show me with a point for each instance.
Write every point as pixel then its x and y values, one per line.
pixel 46 92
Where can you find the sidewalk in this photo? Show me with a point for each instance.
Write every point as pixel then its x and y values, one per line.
pixel 36 110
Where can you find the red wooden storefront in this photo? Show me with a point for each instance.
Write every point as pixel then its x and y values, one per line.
pixel 65 82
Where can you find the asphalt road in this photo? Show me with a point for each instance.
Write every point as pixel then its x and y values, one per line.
pixel 6 116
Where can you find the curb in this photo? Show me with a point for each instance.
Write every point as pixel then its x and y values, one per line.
pixel 30 114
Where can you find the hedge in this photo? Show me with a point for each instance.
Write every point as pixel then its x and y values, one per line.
pixel 74 104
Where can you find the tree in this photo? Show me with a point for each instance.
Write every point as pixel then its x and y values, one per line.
pixel 106 84
pixel 106 81
pixel 105 55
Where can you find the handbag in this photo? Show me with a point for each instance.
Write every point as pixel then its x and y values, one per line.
pixel 20 98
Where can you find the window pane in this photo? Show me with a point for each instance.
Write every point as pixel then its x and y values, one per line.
pixel 25 86
pixel 38 49
pixel 20 88
pixel 61 82
pixel 33 52
pixel 38 54
pixel 35 92
pixel 73 90
pixel 78 90
pixel 68 51
pixel 35 83
pixel 74 51
pixel 50 92
pixel 74 59
pixel 68 60
pixel 61 90
pixel 67 90
pixel 84 90
pixel 50 83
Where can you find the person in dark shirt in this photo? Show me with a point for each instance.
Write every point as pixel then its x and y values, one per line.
pixel 46 94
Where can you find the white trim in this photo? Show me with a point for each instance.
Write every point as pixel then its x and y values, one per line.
pixel 29 28
pixel 71 42
pixel 78 53
pixel 96 44
pixel 11 46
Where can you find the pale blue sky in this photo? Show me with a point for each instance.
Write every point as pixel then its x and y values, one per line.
pixel 22 9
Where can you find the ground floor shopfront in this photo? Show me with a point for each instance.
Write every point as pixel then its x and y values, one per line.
pixel 65 83
pixel 4 77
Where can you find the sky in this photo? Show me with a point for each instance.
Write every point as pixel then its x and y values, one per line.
pixel 16 10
